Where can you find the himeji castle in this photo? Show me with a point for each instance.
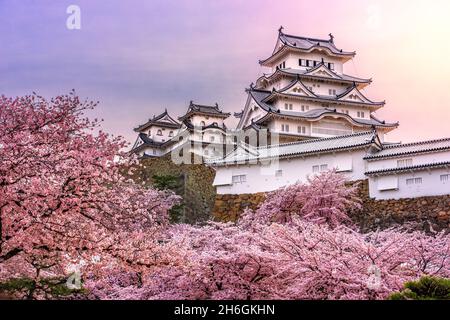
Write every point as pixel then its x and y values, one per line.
pixel 307 95
pixel 304 116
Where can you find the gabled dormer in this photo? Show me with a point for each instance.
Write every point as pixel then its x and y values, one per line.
pixel 297 87
pixel 353 94
pixel 321 70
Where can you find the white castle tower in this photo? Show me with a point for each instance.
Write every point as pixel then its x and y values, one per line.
pixel 307 94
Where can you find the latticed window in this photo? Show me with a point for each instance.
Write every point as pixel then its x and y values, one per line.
pixel 404 163
pixel 239 178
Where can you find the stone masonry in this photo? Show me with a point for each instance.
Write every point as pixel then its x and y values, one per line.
pixel 424 213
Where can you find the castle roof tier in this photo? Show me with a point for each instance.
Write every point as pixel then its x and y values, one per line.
pixel 163 120
pixel 300 148
pixel 297 90
pixel 191 127
pixel 407 149
pixel 287 43
pixel 143 141
pixel 320 72
pixel 263 98
pixel 319 114
pixel 205 110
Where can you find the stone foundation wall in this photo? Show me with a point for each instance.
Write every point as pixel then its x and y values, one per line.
pixel 424 213
pixel 228 207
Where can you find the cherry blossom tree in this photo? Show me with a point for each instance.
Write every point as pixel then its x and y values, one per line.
pixel 325 198
pixel 63 198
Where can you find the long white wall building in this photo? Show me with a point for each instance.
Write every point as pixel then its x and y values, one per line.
pixel 410 170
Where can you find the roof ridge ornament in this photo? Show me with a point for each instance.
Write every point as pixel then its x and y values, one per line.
pixel 280 29
pixel 331 38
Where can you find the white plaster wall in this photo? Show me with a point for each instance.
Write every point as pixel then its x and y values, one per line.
pixel 263 179
pixel 291 60
pixel 153 130
pixel 430 186
pixel 417 159
pixel 197 119
pixel 321 88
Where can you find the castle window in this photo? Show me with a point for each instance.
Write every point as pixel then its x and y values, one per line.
pixel 211 138
pixel 302 62
pixel 304 108
pixel 202 123
pixel 171 134
pixel 404 163
pixel 360 114
pixel 412 181
pixel 345 111
pixel 285 127
pixel 320 168
pixel 301 129
pixel 330 66
pixel 445 178
pixel 239 178
pixel 278 173
pixel 159 133
pixel 332 92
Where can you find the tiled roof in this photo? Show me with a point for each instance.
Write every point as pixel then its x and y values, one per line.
pixel 239 114
pixel 442 164
pixel 301 148
pixel 260 95
pixel 306 43
pixel 308 74
pixel 147 141
pixel 324 98
pixel 204 109
pixel 162 120
pixel 189 125
pixel 292 42
pixel 397 150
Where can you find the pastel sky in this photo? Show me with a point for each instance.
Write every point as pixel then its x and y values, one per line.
pixel 138 57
